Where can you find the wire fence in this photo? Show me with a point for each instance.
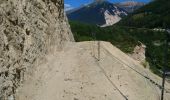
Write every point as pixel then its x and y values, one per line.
pixel 96 50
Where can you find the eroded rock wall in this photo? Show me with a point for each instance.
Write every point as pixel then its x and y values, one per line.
pixel 29 29
pixel 139 53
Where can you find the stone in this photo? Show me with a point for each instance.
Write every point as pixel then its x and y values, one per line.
pixel 29 29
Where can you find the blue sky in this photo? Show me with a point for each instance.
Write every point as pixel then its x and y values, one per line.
pixel 69 4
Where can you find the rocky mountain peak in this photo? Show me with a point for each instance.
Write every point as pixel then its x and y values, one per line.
pixel 100 12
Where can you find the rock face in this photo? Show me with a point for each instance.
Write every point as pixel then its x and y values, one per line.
pixel 139 53
pixel 29 29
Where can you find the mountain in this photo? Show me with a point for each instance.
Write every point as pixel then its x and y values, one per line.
pixel 74 10
pixel 153 15
pixel 130 6
pixel 100 12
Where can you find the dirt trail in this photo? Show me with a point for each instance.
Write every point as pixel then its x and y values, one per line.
pixel 74 74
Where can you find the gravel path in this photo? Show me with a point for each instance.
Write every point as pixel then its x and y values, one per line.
pixel 74 74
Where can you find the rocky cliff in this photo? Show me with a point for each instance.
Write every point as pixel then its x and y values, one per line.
pixel 29 29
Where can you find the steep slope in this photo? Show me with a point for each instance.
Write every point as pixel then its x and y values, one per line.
pixel 99 12
pixel 75 74
pixel 29 29
pixel 153 15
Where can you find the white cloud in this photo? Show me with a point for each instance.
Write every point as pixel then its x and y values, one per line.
pixel 67 7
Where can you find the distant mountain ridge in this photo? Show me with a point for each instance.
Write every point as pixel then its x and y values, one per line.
pixel 100 12
pixel 130 6
pixel 156 14
pixel 75 9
